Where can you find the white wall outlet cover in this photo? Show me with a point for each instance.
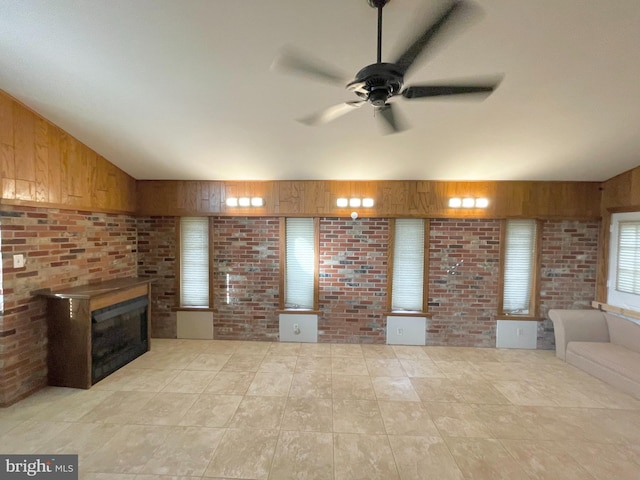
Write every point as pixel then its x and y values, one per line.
pixel 18 260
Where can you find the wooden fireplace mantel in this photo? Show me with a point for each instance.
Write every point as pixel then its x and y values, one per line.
pixel 69 321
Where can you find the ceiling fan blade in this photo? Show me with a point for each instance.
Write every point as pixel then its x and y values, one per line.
pixel 424 91
pixel 329 114
pixel 406 59
pixel 296 62
pixel 390 119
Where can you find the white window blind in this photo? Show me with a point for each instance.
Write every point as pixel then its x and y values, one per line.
pixel 408 266
pixel 300 263
pixel 519 264
pixel 628 264
pixel 194 261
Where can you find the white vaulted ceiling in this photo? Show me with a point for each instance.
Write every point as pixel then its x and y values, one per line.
pixel 169 89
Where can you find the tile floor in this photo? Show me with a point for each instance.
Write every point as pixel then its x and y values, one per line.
pixel 218 409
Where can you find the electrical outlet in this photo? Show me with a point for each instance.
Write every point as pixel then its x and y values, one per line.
pixel 18 261
pixel 295 327
pixel 519 332
pixel 399 331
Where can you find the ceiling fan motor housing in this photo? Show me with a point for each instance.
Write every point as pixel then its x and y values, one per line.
pixel 377 83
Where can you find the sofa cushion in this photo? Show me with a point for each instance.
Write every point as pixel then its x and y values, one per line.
pixel 610 355
pixel 623 332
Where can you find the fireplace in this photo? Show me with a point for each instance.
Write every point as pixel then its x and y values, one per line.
pixel 118 335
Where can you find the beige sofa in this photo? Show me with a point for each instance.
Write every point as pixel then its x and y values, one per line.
pixel 603 345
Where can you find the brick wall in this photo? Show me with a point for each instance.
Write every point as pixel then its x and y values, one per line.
pixel 62 249
pixel 246 275
pixel 568 270
pixel 463 305
pixel 157 251
pixel 353 280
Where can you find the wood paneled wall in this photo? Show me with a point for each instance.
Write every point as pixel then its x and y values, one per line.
pixel 41 164
pixel 619 194
pixel 428 199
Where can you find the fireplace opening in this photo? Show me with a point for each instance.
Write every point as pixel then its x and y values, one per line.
pixel 119 335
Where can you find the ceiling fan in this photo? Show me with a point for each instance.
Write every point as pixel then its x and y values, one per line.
pixel 379 82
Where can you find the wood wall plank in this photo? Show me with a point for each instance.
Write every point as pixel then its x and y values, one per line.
pixel 420 199
pixel 42 165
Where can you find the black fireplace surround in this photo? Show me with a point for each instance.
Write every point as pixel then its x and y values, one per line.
pixel 118 335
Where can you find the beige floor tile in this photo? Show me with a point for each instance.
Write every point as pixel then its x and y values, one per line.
pixel 213 347
pixel 443 354
pixel 349 366
pixel 314 350
pixel 480 391
pixel 313 365
pixel 385 367
pixel 243 362
pixel 363 457
pixel 565 394
pixel 190 381
pixel 121 407
pixel 284 348
pixel 394 389
pixel 211 362
pixel 128 451
pixel 164 409
pixel 108 476
pixel 457 420
pixel 379 352
pixel 346 350
pixel 458 369
pixel 82 438
pixel 212 410
pixel 271 384
pixel 523 393
pixel 308 414
pixel 423 457
pixel 244 454
pixel 7 425
pixel 71 406
pixel 407 418
pixel 605 462
pixel 278 364
pixel 513 421
pixel 164 360
pixel 404 352
pixel 545 460
pixel 185 451
pixel 148 380
pixel 421 368
pixel 316 385
pixel 499 371
pixel 264 413
pixel 230 383
pixel 352 386
pixel 436 390
pixel 485 459
pixel 303 455
pixel 31 437
pixel 252 348
pixel 357 416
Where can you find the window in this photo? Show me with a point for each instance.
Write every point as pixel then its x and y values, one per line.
pixel 194 262
pixel 407 265
pixel 624 261
pixel 519 265
pixel 300 259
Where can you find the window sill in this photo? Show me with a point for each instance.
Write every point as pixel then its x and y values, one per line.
pixel 407 314
pixel 193 309
pixel 298 311
pixel 521 318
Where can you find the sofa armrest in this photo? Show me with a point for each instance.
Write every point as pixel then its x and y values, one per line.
pixel 578 326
